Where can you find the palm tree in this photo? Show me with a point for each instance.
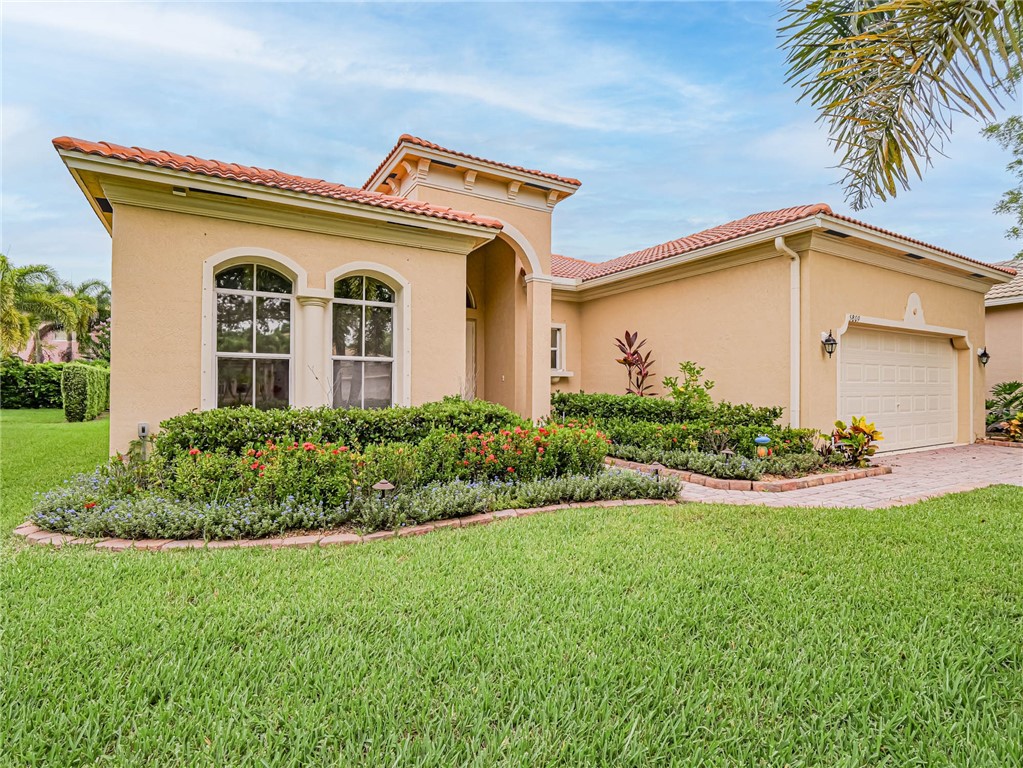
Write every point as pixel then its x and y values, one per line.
pixel 888 76
pixel 34 301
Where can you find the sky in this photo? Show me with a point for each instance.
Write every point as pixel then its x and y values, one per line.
pixel 675 116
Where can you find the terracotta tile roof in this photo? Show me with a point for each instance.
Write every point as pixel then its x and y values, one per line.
pixel 566 266
pixel 406 138
pixel 757 222
pixel 1013 288
pixel 269 178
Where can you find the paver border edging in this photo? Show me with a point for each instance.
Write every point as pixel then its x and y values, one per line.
pixel 1000 443
pixel 33 534
pixel 766 486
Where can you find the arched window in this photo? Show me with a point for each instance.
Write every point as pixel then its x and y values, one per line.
pixel 253 347
pixel 362 346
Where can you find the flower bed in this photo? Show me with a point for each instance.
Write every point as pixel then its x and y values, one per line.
pixel 717 440
pixel 251 485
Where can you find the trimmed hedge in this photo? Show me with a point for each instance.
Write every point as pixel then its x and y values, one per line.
pixel 85 390
pixel 704 436
pixel 233 430
pixel 600 407
pixel 24 385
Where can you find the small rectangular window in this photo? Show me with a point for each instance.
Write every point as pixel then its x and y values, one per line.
pixel 558 348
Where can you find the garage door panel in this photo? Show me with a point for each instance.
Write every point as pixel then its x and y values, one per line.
pixel 902 382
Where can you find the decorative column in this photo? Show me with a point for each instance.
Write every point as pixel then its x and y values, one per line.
pixel 312 384
pixel 538 337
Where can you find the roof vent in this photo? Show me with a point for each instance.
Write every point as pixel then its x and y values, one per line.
pixel 104 205
pixel 974 274
pixel 915 256
pixel 836 233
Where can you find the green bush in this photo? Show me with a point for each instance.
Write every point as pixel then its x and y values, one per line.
pixel 702 435
pixel 73 508
pixel 85 390
pixel 234 430
pixel 566 406
pixel 515 454
pixel 726 467
pixel 27 385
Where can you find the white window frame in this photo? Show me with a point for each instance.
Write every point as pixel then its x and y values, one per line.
pixel 560 349
pixel 254 355
pixel 364 303
pixel 224 260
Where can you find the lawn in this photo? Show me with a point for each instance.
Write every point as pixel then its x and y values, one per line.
pixel 690 635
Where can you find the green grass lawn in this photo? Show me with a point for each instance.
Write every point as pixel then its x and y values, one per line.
pixel 690 635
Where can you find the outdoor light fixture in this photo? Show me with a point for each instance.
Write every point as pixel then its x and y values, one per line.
pixel 983 356
pixel 829 342
pixel 383 486
pixel 655 470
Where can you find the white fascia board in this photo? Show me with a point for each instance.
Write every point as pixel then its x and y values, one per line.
pixel 131 170
pixel 480 166
pixel 907 246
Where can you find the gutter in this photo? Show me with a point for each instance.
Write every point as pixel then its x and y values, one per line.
pixel 795 290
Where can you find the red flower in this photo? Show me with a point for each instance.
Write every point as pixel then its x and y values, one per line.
pixel 193 451
pixel 308 446
pixel 539 450
pixel 335 451
pixel 258 454
pixel 250 452
pixel 343 448
pixel 254 465
pixel 511 469
pixel 90 504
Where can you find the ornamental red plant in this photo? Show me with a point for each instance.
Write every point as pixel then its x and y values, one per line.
pixel 637 365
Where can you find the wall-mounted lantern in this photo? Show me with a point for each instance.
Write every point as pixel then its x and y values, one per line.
pixel 983 356
pixel 829 342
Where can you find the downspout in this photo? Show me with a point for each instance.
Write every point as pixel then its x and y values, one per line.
pixel 794 329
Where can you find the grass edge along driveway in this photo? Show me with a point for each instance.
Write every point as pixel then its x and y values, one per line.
pixel 699 634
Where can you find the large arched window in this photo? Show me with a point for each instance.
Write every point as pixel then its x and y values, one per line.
pixel 253 330
pixel 362 344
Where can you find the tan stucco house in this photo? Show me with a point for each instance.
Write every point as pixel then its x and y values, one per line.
pixel 1004 327
pixel 234 284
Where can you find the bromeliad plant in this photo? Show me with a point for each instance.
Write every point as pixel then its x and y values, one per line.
pixel 637 365
pixel 857 441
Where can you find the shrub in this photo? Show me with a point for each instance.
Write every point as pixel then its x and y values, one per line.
pixel 600 407
pixel 517 454
pixel 705 436
pixel 73 508
pixel 235 430
pixel 690 392
pixel 1006 400
pixel 25 385
pixel 85 390
pixel 857 440
pixel 726 467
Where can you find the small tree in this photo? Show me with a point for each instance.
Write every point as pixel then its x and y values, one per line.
pixel 691 392
pixel 637 365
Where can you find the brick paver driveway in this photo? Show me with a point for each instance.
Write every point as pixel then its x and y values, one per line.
pixel 915 476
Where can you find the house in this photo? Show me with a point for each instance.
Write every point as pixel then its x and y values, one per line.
pixel 1003 311
pixel 240 285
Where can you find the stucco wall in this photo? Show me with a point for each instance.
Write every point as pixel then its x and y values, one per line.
pixel 836 287
pixel 1005 343
pixel 157 287
pixel 732 321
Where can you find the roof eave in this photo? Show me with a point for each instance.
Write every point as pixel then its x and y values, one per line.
pixel 987 272
pixel 404 148
pixel 77 162
pixel 1003 301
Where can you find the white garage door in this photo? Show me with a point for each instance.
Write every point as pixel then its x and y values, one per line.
pixel 904 382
